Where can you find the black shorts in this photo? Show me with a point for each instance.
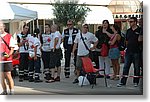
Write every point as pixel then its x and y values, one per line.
pixel 6 67
pixel 55 58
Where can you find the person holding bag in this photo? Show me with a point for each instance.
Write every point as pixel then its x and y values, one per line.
pixel 103 47
pixel 84 41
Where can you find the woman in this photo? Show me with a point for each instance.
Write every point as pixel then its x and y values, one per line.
pixel 114 52
pixel 104 39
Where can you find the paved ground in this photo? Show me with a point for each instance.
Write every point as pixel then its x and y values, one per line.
pixel 65 87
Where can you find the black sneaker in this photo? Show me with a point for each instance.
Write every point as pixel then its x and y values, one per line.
pixel 67 76
pixel 120 85
pixel 31 80
pixel 75 81
pixel 20 80
pixel 37 81
pixel 26 78
pixel 4 93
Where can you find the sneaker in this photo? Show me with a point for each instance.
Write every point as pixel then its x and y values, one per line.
pixel 135 84
pixel 57 78
pixel 75 81
pixel 31 80
pixel 20 80
pixel 67 76
pixel 4 93
pixel 11 93
pixel 37 81
pixel 120 85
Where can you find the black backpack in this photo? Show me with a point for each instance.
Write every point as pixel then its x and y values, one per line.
pixel 121 43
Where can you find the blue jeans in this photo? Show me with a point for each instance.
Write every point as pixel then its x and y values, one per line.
pixel 129 59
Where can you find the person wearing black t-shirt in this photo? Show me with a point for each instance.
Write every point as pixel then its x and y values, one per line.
pixel 132 52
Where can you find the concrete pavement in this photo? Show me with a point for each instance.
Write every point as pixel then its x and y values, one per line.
pixel 66 87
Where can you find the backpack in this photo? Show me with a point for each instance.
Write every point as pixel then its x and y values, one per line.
pixel 121 43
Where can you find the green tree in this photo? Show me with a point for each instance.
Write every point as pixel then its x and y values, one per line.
pixel 69 9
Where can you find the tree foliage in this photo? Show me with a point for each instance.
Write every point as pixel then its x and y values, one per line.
pixel 69 9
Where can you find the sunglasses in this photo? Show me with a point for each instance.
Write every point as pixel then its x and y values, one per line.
pixel 86 27
pixel 69 24
pixel 131 21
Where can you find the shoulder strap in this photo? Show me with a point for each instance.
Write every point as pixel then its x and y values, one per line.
pixel 84 43
pixel 5 43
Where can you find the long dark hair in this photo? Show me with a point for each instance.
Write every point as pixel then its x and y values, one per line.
pixel 117 28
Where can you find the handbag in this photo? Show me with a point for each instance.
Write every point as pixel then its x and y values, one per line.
pixel 104 50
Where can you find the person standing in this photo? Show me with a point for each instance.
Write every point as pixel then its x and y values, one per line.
pixel 132 54
pixel 55 54
pixel 89 39
pixel 69 35
pixel 45 41
pixel 104 61
pixel 34 57
pixel 7 44
pixel 114 52
pixel 23 44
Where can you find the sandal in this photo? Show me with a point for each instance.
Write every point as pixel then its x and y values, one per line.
pixel 113 77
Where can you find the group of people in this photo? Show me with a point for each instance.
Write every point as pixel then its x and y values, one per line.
pixel 77 44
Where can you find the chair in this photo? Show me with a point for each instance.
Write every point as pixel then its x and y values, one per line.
pixel 89 69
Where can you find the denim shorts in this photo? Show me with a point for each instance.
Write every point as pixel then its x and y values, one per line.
pixel 114 53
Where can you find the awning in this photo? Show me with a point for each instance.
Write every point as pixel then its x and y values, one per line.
pixel 98 14
pixel 13 12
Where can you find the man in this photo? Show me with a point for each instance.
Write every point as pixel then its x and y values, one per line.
pixel 23 44
pixel 69 35
pixel 55 54
pixel 132 53
pixel 89 39
pixel 7 44
pixel 45 41
pixel 34 57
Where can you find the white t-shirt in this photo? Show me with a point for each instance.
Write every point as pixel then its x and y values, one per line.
pixel 38 44
pixel 88 38
pixel 23 49
pixel 46 42
pixel 53 36
pixel 34 41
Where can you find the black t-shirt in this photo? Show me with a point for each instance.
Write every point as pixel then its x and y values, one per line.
pixel 132 38
pixel 102 37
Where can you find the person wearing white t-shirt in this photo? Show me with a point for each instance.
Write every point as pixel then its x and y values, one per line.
pixel 7 45
pixel 34 57
pixel 45 39
pixel 89 38
pixel 55 54
pixel 23 44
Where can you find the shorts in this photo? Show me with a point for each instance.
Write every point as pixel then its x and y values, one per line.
pixel 55 59
pixel 114 53
pixel 6 67
pixel 79 62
